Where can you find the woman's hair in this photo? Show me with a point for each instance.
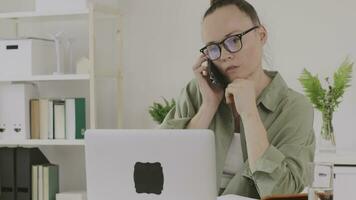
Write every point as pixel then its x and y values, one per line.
pixel 243 5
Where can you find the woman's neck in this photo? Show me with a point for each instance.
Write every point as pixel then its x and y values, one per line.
pixel 261 80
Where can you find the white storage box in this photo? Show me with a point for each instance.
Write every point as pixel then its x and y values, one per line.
pixel 17 6
pixel 26 57
pixel 60 5
pixel 15 110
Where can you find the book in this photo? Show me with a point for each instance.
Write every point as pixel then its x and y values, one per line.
pixel 35 182
pixel 35 118
pixel 44 118
pixel 50 181
pixel 40 182
pixel 75 118
pixel 59 119
pixel 50 120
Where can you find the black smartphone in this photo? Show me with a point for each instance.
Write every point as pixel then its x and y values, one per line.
pixel 216 78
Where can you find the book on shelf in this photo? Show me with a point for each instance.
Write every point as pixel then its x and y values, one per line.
pixel 45 182
pixel 35 118
pixel 58 118
pixel 75 118
pixel 44 119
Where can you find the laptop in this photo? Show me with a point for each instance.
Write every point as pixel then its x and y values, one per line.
pixel 150 164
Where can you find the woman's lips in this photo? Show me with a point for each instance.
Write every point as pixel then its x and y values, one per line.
pixel 231 68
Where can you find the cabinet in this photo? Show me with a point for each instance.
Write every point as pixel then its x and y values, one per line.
pixel 345 172
pixel 94 32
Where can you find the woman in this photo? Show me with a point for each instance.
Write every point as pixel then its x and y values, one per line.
pixel 255 116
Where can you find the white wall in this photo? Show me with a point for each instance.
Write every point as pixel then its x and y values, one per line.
pixel 162 39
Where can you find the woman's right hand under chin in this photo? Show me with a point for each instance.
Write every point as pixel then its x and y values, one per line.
pixel 212 96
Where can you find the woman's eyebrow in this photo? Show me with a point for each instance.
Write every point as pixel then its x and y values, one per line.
pixel 237 31
pixel 233 33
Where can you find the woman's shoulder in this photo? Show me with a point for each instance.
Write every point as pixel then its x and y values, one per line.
pixel 297 102
pixel 191 93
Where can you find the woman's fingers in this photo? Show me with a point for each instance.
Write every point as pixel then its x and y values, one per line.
pixel 230 93
pixel 200 67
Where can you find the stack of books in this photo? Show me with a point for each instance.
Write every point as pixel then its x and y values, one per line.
pixel 45 182
pixel 57 118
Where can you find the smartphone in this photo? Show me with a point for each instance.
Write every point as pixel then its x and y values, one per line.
pixel 216 78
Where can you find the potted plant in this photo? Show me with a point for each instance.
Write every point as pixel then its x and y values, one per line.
pixel 159 111
pixel 326 100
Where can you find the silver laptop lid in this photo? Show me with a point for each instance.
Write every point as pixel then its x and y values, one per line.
pixel 150 164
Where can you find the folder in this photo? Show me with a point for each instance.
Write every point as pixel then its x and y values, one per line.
pixel 7 173
pixel 25 158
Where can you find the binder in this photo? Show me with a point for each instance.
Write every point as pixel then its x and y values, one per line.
pixel 7 173
pixel 25 158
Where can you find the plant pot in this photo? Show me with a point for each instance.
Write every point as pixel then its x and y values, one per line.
pixel 327 137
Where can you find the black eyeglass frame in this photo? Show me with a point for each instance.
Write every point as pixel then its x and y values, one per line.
pixel 218 44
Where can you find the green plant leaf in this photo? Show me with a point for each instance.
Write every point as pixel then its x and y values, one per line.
pixel 313 89
pixel 342 79
pixel 159 111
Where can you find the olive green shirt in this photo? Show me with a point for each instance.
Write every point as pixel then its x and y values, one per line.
pixel 288 119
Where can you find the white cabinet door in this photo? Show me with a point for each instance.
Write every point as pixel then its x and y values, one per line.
pixel 344 183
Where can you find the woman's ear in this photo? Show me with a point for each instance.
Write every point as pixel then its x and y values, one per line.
pixel 262 34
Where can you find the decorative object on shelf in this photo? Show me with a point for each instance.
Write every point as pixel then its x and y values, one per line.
pixel 57 40
pixel 159 111
pixel 327 100
pixel 83 66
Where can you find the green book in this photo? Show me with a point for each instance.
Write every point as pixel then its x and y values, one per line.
pixel 75 118
pixel 79 118
pixel 50 181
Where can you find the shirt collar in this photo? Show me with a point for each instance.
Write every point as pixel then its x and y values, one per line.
pixel 272 94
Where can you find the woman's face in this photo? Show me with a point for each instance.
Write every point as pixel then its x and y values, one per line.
pixel 229 20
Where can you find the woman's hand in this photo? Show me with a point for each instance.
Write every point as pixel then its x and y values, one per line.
pixel 242 93
pixel 212 96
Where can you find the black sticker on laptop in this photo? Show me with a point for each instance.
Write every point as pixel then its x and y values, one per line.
pixel 148 178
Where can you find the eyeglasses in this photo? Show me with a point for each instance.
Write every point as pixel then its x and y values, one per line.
pixel 232 44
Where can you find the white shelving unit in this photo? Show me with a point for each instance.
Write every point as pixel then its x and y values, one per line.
pixel 96 30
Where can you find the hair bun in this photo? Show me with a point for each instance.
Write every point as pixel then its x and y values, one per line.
pixel 213 1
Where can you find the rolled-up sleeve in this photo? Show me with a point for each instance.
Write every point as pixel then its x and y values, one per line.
pixel 282 167
pixel 185 109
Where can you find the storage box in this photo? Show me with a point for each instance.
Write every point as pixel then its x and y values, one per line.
pixel 15 110
pixel 17 6
pixel 71 196
pixel 26 57
pixel 60 5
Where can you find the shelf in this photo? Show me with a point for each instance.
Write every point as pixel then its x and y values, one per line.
pixel 63 77
pixel 338 158
pixel 31 14
pixel 57 142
